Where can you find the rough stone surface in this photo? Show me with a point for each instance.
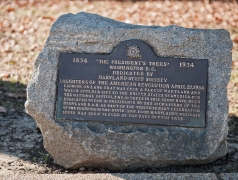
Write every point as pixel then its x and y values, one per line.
pixel 119 146
pixel 228 176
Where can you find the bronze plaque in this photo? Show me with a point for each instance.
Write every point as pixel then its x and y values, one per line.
pixel 132 85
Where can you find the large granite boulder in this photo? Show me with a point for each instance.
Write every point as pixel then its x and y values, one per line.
pixel 126 145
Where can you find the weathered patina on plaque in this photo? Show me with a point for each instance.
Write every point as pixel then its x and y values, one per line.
pixel 132 85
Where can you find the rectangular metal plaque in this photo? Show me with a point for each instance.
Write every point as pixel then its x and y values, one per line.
pixel 132 85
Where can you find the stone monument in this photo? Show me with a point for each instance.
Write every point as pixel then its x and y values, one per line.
pixel 120 96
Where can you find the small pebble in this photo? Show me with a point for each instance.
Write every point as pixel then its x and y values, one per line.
pixel 82 169
pixel 41 170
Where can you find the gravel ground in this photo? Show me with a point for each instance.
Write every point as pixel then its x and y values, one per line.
pixel 123 176
pixel 22 152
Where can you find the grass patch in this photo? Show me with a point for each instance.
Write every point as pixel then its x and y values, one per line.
pixel 233 125
pixel 12 95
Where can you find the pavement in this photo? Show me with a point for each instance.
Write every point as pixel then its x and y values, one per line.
pixel 123 176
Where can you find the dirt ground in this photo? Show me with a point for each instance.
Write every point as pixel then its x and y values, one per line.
pixel 24 27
